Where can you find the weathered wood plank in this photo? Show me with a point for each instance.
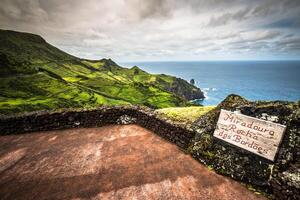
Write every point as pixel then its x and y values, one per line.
pixel 255 135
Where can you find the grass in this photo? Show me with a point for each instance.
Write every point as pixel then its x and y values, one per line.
pixel 185 115
pixel 35 75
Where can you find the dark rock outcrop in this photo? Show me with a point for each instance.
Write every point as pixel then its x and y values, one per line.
pixel 287 184
pixel 192 81
pixel 240 164
pixel 182 88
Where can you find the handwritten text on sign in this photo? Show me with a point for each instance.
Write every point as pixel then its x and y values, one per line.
pixel 255 135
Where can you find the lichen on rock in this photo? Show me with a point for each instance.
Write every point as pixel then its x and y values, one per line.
pixel 238 163
pixel 126 119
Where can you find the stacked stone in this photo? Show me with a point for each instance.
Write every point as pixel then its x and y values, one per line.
pixel 280 177
pixel 286 185
pixel 43 121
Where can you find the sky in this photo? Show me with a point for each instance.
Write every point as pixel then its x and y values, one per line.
pixel 162 30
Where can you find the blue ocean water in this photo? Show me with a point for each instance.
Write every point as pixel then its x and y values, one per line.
pixel 255 80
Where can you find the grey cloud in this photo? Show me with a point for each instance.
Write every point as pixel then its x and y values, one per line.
pixel 289 44
pixel 146 9
pixel 246 38
pixel 22 10
pixel 161 8
pixel 157 29
pixel 291 3
pixel 228 17
pixel 265 8
pixel 285 23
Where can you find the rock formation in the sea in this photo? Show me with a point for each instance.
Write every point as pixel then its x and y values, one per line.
pixel 180 87
pixel 192 81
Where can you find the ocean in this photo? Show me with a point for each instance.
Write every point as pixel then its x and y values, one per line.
pixel 254 80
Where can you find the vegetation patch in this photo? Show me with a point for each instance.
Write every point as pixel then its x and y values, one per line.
pixel 35 75
pixel 185 115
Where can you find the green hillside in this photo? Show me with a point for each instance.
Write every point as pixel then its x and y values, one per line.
pixel 35 75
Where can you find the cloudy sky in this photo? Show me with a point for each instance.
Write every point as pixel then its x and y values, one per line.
pixel 147 30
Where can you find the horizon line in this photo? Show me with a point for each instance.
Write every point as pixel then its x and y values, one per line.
pixel 267 60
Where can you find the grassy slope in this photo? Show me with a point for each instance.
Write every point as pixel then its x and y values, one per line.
pixel 184 115
pixel 35 75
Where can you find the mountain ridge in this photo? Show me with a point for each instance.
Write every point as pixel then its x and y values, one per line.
pixel 36 75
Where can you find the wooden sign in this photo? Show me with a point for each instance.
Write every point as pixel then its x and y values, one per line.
pixel 255 135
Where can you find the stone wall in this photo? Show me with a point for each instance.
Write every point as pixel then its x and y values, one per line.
pixel 41 121
pixel 287 184
pixel 281 177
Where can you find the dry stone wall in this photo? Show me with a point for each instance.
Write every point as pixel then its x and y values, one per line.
pixel 41 121
pixel 281 177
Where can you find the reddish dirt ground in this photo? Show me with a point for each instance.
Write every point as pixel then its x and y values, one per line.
pixel 111 162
